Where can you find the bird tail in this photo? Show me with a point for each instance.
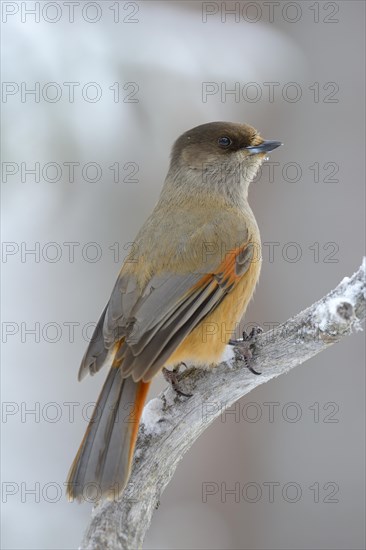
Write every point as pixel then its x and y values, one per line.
pixel 103 462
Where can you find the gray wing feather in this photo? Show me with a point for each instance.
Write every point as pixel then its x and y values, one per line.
pixel 96 354
pixel 174 333
pixel 151 323
pixel 185 315
pixel 164 300
pixel 125 296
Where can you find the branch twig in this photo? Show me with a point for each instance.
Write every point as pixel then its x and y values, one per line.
pixel 170 425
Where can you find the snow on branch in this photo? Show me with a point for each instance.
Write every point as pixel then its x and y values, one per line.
pixel 171 424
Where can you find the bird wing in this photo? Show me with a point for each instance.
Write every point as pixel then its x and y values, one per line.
pixel 141 330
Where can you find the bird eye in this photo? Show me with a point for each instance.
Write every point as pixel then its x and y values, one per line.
pixel 224 141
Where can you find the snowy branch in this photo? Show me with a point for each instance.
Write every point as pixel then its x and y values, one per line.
pixel 171 424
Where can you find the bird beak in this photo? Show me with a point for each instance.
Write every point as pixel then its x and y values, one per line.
pixel 264 147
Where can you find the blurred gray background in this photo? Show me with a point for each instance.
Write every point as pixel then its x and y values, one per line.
pixel 298 72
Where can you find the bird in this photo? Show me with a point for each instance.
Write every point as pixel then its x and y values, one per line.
pixel 194 265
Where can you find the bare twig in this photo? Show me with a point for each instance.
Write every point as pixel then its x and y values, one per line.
pixel 170 424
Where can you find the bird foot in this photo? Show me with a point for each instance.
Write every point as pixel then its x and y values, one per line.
pixel 172 376
pixel 246 346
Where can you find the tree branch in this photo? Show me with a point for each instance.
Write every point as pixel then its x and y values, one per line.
pixel 170 424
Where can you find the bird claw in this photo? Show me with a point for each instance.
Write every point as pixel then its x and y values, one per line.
pixel 245 345
pixel 252 334
pixel 171 376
